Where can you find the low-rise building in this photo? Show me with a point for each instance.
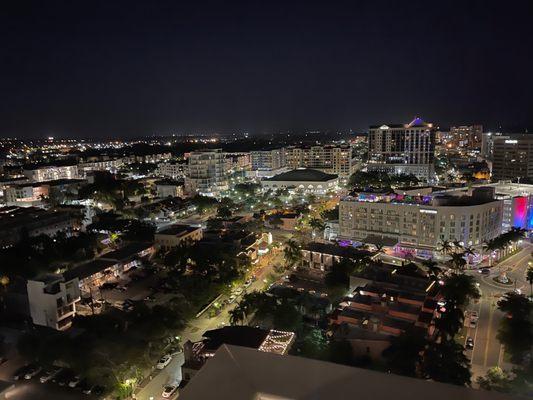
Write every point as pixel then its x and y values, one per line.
pixel 50 172
pixel 321 256
pixel 176 235
pixel 52 301
pixel 169 188
pixel 270 341
pixel 309 181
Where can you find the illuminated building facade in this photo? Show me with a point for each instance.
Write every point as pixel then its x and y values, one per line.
pixel 403 149
pixel 513 157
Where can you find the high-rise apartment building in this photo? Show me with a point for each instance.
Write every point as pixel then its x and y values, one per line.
pixel 513 157
pixel 403 149
pixel 467 136
pixel 268 160
pixel 207 173
pixel 331 158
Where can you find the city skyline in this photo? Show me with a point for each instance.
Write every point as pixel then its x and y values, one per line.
pixel 126 70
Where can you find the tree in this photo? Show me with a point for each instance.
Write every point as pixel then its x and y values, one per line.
pixel 450 322
pixel 446 362
pixel 433 269
pixel 223 212
pixel 516 331
pixel 292 253
pixel 459 289
pixel 529 278
pixel 458 261
pixel 445 246
pixel 404 354
pixel 237 315
pixel 496 379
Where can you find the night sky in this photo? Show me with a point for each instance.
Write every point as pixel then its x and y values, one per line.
pixel 129 68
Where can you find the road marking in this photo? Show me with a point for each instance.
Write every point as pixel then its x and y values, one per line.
pixel 491 313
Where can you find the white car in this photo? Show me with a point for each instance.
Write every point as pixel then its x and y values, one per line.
pixel 169 390
pixel 474 316
pixel 74 381
pixel 164 361
pixel 32 372
pixel 49 374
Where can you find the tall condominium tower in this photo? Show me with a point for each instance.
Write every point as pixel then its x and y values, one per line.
pixel 403 149
pixel 207 173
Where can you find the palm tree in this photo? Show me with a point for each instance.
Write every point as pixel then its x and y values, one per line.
pixel 237 315
pixel 529 278
pixel 292 253
pixel 432 268
pixel 458 262
pixel 316 224
pixel 445 246
pixel 450 322
pixel 459 289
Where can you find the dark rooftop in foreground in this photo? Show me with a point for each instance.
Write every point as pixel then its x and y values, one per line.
pixel 245 336
pixel 311 175
pixel 237 373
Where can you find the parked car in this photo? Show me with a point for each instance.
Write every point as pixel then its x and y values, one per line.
pixel 32 371
pixel 164 361
pixel 64 377
pixel 469 343
pixel 75 381
pixel 232 298
pixel 474 316
pixel 21 372
pixel 169 390
pixel 49 374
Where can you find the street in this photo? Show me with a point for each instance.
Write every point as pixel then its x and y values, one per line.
pixel 196 327
pixel 488 351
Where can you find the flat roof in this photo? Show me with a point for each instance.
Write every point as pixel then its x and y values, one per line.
pixel 87 269
pixel 178 230
pixel 127 251
pixel 238 373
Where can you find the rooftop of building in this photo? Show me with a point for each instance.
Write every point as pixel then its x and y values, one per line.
pixel 169 182
pixel 87 269
pixel 126 252
pixel 303 175
pixel 238 373
pixel 178 230
pixel 334 249
pixel 245 336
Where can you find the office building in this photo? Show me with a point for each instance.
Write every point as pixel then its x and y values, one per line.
pixel 512 157
pixel 207 173
pixel 52 301
pixel 466 136
pixel 403 149
pixel 331 158
pixel 418 224
pixel 267 163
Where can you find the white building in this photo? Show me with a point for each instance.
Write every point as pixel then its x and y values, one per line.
pixel 53 301
pixel 41 173
pixel 169 188
pixel 330 158
pixel 207 173
pixel 421 222
pixel 308 181
pixel 172 169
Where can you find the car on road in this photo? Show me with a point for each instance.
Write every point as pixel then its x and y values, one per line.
pixel 469 343
pixel 232 298
pixel 87 388
pixel 484 271
pixel 248 283
pixel 169 390
pixel 32 371
pixel 49 374
pixel 474 316
pixel 164 361
pixel 19 373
